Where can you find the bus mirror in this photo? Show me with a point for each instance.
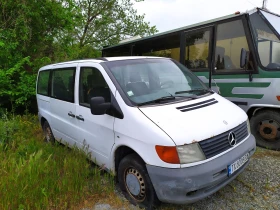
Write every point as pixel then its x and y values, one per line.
pixel 216 89
pixel 243 58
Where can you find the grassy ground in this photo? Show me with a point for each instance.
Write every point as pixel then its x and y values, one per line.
pixel 37 175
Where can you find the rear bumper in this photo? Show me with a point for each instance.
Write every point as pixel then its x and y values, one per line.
pixel 188 185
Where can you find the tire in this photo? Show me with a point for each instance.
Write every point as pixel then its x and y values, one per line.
pixel 135 182
pixel 265 126
pixel 48 135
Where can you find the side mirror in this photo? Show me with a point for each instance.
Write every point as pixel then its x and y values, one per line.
pixel 98 106
pixel 243 58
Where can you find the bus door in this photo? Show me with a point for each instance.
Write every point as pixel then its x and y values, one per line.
pixel 238 84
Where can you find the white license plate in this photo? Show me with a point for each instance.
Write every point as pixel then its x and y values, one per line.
pixel 237 164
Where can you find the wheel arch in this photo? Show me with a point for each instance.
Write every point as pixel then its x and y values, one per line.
pixel 120 153
pixel 42 121
pixel 253 110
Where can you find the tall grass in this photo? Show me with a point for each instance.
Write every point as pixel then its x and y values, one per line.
pixel 37 175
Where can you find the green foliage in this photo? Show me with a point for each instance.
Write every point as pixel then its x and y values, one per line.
pixel 17 85
pixel 106 22
pixel 37 175
pixel 36 33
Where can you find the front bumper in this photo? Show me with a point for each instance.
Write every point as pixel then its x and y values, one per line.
pixel 188 185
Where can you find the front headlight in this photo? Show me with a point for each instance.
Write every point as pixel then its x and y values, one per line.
pixel 190 153
pixel 248 126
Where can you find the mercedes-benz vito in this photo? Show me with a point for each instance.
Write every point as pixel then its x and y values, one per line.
pixel 164 134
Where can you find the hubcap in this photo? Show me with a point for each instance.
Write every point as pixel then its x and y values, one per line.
pixel 135 184
pixel 269 129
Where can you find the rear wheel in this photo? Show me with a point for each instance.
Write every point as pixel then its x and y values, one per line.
pixel 135 182
pixel 265 126
pixel 48 133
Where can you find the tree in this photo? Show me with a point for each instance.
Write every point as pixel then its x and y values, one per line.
pixel 28 30
pixel 34 33
pixel 106 22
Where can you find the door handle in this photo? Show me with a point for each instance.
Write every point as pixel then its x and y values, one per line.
pixel 80 117
pixel 71 114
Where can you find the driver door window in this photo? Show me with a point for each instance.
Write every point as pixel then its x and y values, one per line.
pixel 92 84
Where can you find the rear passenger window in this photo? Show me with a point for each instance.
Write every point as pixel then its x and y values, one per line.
pixel 63 81
pixel 92 84
pixel 43 83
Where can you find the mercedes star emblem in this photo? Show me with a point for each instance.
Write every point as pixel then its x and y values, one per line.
pixel 231 139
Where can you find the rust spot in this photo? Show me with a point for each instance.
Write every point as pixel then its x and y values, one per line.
pixel 194 141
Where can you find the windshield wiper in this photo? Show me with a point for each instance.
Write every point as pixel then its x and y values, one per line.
pixel 171 97
pixel 194 90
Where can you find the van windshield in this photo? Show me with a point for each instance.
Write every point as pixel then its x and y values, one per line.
pixel 155 80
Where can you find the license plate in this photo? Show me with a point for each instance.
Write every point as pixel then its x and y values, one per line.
pixel 237 164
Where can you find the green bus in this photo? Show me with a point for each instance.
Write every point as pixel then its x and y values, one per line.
pixel 237 56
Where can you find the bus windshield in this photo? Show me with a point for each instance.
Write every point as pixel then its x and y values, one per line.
pixel 268 42
pixel 273 19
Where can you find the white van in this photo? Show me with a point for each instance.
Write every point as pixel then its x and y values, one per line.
pixel 164 134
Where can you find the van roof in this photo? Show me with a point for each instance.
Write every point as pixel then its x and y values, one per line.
pixel 98 60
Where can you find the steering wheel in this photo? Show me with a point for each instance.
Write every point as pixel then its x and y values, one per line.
pixel 167 84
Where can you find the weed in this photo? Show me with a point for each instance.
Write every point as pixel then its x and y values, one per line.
pixel 249 186
pixel 37 175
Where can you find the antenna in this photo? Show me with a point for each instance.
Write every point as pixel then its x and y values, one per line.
pixel 264 4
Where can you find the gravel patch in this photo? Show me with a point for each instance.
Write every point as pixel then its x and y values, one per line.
pixel 258 187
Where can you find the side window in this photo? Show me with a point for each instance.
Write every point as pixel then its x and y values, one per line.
pixel 43 83
pixel 92 84
pixel 230 39
pixel 197 50
pixel 169 53
pixel 63 81
pixel 167 46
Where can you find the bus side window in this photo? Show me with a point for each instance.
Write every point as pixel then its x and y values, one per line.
pixel 231 39
pixel 166 46
pixel 197 49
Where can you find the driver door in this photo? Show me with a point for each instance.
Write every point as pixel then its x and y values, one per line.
pixel 97 134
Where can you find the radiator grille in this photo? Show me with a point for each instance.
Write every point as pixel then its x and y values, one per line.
pixel 220 143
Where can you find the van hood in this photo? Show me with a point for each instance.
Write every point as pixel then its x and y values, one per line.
pixel 196 120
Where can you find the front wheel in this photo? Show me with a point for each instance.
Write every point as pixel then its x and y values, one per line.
pixel 135 182
pixel 265 126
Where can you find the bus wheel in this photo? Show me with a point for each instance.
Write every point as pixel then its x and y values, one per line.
pixel 265 126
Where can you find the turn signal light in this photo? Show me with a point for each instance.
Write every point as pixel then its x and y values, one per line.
pixel 168 154
pixel 278 98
